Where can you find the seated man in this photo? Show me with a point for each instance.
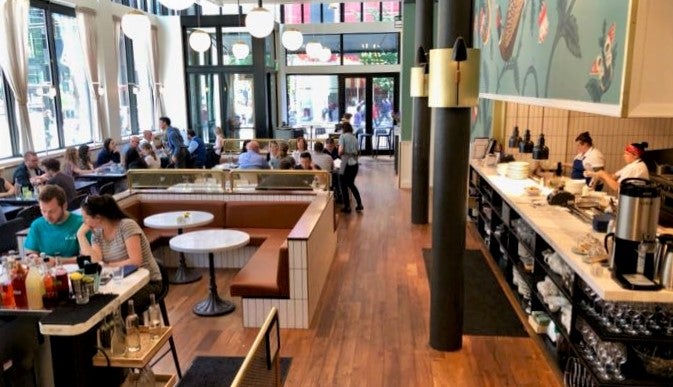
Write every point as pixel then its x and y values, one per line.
pixel 55 233
pixel 28 170
pixel 306 162
pixel 321 159
pixel 197 149
pixel 252 159
pixel 53 175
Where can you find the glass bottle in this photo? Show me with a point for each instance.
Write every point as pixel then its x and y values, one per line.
pixel 118 339
pixel 62 282
pixel 34 285
pixel 132 329
pixel 154 319
pixel 105 333
pixel 19 284
pixel 50 297
pixel 17 189
pixel 6 288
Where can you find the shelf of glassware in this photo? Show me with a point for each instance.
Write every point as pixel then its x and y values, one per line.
pixel 148 349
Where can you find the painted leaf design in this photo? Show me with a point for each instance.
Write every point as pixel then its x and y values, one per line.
pixel 593 86
pixel 570 33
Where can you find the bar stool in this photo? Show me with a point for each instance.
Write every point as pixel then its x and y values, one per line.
pixel 378 133
pixel 160 298
pixel 362 140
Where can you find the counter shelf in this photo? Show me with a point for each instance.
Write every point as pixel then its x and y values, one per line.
pixel 148 349
pixel 554 316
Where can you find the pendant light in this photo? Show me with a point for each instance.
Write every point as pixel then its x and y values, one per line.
pixel 313 49
pixel 292 39
pixel 259 21
pixel 325 54
pixel 177 5
pixel 240 49
pixel 199 40
pixel 136 25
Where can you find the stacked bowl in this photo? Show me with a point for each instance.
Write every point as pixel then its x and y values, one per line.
pixel 518 170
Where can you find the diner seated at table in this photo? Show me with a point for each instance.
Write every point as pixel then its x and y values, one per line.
pixel 84 161
pixel 273 157
pixel 196 149
pixel 117 240
pixel 301 148
pixel 55 232
pixel 284 153
pixel 53 175
pixel 252 159
pixel 306 162
pixel 133 160
pixel 109 153
pixel 27 170
pixel 71 165
pixel 151 158
pixel 322 159
pixel 6 188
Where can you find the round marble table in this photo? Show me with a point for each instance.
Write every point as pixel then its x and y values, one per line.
pixel 176 219
pixel 211 242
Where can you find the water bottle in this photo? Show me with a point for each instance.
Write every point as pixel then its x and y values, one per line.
pixel 132 330
pixel 17 189
pixel 154 319
pixel 118 341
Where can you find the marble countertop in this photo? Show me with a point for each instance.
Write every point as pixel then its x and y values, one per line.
pixel 561 230
pixel 125 289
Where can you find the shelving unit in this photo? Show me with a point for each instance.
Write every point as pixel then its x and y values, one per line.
pixel 495 214
pixel 148 349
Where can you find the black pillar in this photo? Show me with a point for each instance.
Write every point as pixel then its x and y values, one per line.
pixel 420 160
pixel 260 89
pixel 452 137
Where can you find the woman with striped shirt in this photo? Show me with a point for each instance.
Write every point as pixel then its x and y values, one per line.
pixel 117 240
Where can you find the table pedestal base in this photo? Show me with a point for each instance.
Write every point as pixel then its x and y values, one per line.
pixel 184 275
pixel 213 305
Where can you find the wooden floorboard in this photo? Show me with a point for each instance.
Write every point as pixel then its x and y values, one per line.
pixel 371 326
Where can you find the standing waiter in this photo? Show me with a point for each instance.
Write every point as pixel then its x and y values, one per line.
pixel 175 144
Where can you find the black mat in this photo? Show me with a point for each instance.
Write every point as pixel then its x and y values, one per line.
pixel 487 310
pixel 220 371
pixel 71 313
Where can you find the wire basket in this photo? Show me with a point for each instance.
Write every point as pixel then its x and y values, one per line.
pixel 655 365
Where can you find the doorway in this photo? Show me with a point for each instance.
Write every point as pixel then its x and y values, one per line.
pixel 371 99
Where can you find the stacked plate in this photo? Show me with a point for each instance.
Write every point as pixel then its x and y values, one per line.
pixel 502 169
pixel 518 169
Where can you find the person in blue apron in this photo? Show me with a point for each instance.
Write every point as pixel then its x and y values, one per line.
pixel 588 158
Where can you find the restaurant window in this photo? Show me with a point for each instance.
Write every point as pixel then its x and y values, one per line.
pixel 390 10
pixel 312 100
pixel 301 58
pixel 5 130
pixel 292 13
pixel 59 104
pixel 371 49
pixel 331 13
pixel 371 11
pixel 229 38
pixel 352 12
pixel 207 58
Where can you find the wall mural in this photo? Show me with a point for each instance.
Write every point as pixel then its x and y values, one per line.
pixel 556 49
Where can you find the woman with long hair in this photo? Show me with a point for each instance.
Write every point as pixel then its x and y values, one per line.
pixel 117 240
pixel 109 153
pixel 84 160
pixel 133 160
pixel 348 151
pixel 301 148
pixel 151 159
pixel 71 165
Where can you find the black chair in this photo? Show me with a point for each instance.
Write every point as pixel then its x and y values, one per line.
pixel 76 202
pixel 160 298
pixel 107 189
pixel 9 229
pixel 385 133
pixel 29 214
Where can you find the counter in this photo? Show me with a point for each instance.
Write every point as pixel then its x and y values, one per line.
pixel 561 230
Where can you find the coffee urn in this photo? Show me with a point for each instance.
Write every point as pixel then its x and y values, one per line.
pixel 632 259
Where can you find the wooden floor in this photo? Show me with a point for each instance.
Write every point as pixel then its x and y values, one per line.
pixel 371 328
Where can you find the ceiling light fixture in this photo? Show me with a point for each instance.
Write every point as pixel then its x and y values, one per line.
pixel 136 25
pixel 259 21
pixel 240 50
pixel 199 40
pixel 292 39
pixel 313 49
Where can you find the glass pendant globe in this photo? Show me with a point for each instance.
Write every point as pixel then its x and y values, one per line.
pixel 199 41
pixel 325 54
pixel 136 25
pixel 240 50
pixel 292 39
pixel 259 22
pixel 177 5
pixel 313 49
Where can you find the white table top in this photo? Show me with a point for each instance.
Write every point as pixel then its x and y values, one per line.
pixel 209 241
pixel 176 219
pixel 562 230
pixel 125 289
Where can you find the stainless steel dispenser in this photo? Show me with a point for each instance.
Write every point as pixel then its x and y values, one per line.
pixel 632 259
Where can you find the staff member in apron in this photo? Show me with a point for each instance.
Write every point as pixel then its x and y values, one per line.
pixel 635 167
pixel 588 158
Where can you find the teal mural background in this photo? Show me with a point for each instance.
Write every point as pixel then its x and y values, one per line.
pixel 578 58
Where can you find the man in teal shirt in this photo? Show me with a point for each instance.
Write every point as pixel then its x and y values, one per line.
pixel 55 233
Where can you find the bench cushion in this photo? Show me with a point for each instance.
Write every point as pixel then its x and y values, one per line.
pixel 264 214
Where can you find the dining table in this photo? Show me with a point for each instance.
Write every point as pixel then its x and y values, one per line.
pixel 180 220
pixel 210 242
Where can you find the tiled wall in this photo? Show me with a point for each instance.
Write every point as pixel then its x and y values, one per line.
pixel 610 134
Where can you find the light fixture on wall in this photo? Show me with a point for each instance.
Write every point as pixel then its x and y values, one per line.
pixel 458 66
pixel 259 21
pixel 177 5
pixel 419 75
pixel 136 25
pixel 292 39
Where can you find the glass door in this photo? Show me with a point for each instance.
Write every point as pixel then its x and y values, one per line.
pixel 356 102
pixel 383 106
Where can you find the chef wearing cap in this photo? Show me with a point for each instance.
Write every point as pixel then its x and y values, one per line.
pixel 635 167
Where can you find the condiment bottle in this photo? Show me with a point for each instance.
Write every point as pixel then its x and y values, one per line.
pixel 34 286
pixel 19 284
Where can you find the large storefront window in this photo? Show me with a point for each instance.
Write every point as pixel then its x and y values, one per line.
pixel 301 58
pixel 371 11
pixel 371 49
pixel 312 100
pixel 5 145
pixel 228 41
pixel 207 58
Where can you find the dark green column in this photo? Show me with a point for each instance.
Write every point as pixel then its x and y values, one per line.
pixel 449 210
pixel 420 121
